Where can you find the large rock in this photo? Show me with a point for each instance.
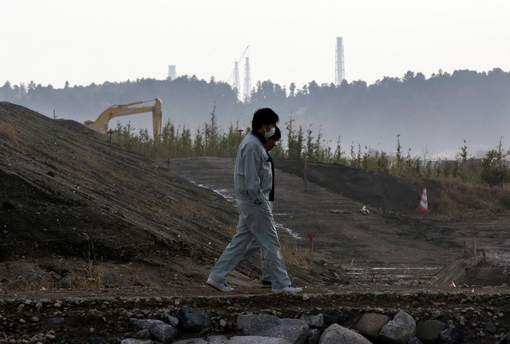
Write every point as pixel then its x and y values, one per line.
pixel 144 324
pixel 193 320
pixel 505 340
pixel 96 340
pixel 336 334
pixel 414 340
pixel 371 324
pixel 294 330
pixel 314 336
pixel 172 320
pixel 217 340
pixel 192 341
pixel 400 329
pixel 428 331
pixel 256 340
pixel 254 323
pixel 163 332
pixel 315 321
pixel 234 340
pixel 136 341
pixel 451 335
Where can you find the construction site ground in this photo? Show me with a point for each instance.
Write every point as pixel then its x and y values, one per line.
pixel 98 234
pixel 387 247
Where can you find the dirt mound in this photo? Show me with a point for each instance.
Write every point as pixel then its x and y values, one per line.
pixel 69 196
pixel 387 192
pixel 480 271
pixel 375 190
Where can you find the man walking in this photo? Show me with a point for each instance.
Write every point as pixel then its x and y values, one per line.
pixel 253 247
pixel 253 182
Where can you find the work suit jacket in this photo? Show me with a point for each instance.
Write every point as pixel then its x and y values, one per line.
pixel 253 178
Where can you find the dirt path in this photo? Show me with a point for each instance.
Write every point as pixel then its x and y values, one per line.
pixel 373 246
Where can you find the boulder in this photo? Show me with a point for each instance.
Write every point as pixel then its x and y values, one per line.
pixel 136 341
pixel 234 340
pixel 505 340
pixel 172 320
pixel 314 336
pixel 315 321
pixel 400 329
pixel 336 334
pixel 414 340
pixel 371 324
pixel 256 340
pixel 193 320
pixel 96 340
pixel 192 341
pixel 144 324
pixel 254 323
pixel 490 327
pixel 296 331
pixel 163 332
pixel 217 340
pixel 293 330
pixel 428 331
pixel 143 334
pixel 451 335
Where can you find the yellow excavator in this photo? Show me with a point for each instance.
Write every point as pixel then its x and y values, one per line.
pixel 101 123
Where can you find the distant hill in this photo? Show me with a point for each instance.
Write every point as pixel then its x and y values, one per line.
pixel 431 114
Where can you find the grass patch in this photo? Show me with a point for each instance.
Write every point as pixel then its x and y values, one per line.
pixel 296 255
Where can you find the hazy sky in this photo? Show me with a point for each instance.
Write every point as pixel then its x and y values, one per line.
pixel 86 41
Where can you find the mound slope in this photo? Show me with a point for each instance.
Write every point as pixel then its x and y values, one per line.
pixel 67 195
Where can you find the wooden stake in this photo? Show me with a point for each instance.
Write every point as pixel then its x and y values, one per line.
pixel 305 174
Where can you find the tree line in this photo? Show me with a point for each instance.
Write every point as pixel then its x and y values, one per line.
pixel 300 144
pixel 434 113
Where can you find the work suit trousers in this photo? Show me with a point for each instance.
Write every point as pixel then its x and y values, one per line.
pixel 256 224
pixel 254 250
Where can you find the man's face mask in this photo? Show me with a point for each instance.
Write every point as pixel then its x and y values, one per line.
pixel 270 133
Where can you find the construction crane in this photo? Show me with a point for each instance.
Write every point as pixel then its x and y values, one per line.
pixel 101 123
pixel 235 72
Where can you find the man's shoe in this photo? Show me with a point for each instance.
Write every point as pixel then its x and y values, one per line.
pixel 287 290
pixel 223 287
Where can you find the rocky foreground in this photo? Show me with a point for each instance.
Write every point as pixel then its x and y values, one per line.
pixel 351 318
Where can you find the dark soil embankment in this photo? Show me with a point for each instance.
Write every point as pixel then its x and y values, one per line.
pixel 67 195
pixel 387 192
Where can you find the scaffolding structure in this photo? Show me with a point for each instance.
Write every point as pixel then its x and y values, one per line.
pixel 339 62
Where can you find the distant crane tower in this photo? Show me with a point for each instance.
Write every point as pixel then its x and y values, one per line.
pixel 172 74
pixel 247 80
pixel 237 80
pixel 339 62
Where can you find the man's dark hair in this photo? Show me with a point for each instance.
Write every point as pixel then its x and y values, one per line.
pixel 277 134
pixel 264 116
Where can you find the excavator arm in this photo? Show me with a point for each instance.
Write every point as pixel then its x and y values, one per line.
pixel 101 123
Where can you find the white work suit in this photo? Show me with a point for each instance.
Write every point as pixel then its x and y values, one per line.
pixel 253 181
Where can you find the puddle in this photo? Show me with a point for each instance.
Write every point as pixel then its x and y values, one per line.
pixel 360 271
pixel 289 231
